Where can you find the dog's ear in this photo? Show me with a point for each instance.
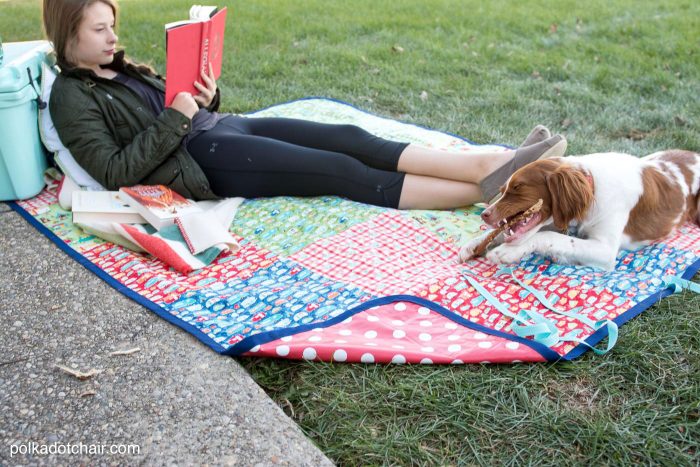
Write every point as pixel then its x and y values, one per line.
pixel 572 195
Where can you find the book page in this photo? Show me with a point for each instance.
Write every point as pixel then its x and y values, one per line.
pixel 99 201
pixel 175 24
pixel 202 12
pixel 198 13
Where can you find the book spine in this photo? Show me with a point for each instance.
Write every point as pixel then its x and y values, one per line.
pixel 204 50
pixel 183 231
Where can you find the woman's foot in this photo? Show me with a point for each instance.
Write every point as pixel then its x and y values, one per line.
pixel 551 147
pixel 539 133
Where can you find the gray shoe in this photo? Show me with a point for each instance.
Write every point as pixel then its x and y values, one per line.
pixel 551 147
pixel 539 133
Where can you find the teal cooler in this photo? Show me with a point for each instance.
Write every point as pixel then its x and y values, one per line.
pixel 22 158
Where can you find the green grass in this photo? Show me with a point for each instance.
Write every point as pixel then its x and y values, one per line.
pixel 615 75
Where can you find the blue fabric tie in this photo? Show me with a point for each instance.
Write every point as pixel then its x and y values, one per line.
pixel 531 324
pixel 678 285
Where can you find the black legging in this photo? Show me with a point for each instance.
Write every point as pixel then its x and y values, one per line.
pixel 255 157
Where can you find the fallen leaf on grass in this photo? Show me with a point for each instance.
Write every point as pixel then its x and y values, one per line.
pixel 553 28
pixel 291 407
pixel 79 374
pixel 680 121
pixel 397 49
pixel 126 352
pixel 566 123
pixel 424 96
pixel 636 135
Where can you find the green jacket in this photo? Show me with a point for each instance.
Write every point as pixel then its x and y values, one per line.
pixel 113 134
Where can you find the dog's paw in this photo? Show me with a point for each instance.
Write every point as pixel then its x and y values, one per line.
pixel 467 251
pixel 505 254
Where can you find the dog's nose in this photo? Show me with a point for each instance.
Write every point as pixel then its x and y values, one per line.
pixel 486 216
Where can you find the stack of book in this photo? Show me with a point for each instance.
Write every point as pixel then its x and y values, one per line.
pixel 157 205
pixel 186 236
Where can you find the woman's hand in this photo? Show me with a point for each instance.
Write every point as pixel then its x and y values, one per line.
pixel 207 91
pixel 185 104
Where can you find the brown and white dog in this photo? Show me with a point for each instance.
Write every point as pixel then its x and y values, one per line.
pixel 613 200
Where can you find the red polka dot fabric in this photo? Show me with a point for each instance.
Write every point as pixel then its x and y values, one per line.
pixel 401 332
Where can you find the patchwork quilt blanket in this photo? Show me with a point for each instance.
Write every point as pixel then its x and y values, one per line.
pixel 329 279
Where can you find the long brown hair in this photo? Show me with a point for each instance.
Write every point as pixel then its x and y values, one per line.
pixel 62 19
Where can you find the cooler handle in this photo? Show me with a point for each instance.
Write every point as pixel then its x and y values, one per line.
pixel 39 101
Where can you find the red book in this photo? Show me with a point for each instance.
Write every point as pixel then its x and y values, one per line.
pixel 190 46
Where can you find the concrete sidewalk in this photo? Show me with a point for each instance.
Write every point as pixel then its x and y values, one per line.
pixel 178 400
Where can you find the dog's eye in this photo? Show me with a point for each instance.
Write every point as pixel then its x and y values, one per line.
pixel 516 187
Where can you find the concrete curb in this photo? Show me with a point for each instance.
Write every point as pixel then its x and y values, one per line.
pixel 179 401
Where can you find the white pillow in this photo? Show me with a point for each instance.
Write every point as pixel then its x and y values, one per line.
pixel 50 138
